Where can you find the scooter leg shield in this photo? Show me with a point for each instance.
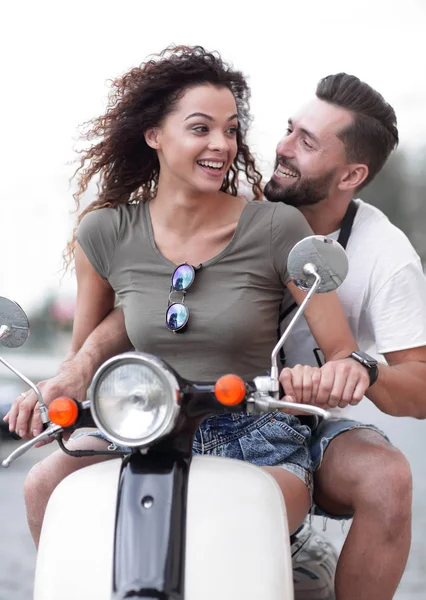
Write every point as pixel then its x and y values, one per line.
pixel 237 542
pixel 75 555
pixel 237 545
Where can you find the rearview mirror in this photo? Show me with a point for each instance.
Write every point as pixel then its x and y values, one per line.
pixel 14 325
pixel 326 255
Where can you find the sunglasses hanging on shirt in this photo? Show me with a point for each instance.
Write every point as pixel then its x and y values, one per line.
pixel 177 314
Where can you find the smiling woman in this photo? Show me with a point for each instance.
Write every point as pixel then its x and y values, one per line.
pixel 127 159
pixel 198 147
pixel 168 234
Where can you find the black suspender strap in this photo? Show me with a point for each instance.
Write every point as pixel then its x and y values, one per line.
pixel 345 232
pixel 348 221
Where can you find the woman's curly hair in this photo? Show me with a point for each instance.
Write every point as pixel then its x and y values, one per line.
pixel 127 168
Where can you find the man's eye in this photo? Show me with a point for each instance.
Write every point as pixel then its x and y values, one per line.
pixel 288 131
pixel 307 144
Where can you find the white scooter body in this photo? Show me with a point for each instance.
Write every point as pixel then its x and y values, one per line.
pixel 237 540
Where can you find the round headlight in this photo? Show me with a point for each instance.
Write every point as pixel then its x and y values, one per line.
pixel 134 399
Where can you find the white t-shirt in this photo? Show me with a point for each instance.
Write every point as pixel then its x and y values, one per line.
pixel 383 295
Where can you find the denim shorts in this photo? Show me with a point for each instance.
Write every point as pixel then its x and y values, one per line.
pixel 274 439
pixel 323 433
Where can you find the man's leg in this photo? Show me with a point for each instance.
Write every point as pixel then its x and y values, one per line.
pixel 364 475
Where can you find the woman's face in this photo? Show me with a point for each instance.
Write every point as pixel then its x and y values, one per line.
pixel 197 143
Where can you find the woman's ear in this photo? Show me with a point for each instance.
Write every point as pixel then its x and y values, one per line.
pixel 152 137
pixel 354 176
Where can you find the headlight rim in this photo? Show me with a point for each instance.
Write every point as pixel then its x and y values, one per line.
pixel 164 371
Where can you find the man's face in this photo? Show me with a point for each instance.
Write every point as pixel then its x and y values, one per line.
pixel 311 158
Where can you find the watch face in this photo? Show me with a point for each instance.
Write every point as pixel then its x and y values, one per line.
pixel 369 363
pixel 366 357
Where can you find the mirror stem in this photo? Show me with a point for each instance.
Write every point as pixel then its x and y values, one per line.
pixel 309 269
pixel 43 409
pixel 4 331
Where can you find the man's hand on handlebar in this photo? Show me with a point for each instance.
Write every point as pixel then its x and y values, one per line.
pixel 336 384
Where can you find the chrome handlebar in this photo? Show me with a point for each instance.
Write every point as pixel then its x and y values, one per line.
pixel 51 431
pixel 263 404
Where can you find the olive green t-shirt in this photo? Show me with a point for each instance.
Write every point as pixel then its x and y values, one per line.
pixel 233 303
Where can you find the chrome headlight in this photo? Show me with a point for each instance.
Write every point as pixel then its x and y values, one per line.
pixel 134 399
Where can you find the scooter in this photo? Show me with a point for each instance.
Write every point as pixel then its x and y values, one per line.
pixel 156 522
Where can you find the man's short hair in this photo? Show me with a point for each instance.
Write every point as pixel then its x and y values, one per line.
pixel 373 134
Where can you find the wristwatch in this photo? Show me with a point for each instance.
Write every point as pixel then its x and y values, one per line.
pixel 368 362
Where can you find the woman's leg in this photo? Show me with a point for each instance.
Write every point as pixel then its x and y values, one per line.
pixel 47 474
pixel 272 439
pixel 296 496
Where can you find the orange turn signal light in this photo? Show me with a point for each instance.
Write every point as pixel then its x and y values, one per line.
pixel 63 412
pixel 230 390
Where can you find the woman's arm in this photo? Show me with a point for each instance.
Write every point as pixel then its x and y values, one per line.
pixel 95 299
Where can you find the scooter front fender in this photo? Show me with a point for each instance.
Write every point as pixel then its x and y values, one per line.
pixel 237 544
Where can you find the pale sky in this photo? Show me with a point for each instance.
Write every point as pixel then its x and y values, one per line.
pixel 56 59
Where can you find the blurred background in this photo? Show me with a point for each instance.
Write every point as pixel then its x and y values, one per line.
pixel 57 59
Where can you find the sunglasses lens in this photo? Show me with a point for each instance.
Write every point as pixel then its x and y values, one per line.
pixel 183 277
pixel 177 316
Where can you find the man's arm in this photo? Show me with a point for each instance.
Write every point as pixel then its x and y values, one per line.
pixel 341 380
pixel 397 316
pixel 400 390
pixel 74 377
pixel 98 333
pixel 401 387
pixel 108 339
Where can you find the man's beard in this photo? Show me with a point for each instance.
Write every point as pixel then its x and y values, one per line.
pixel 306 192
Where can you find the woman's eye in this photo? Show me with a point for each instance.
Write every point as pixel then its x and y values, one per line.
pixel 233 130
pixel 200 129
